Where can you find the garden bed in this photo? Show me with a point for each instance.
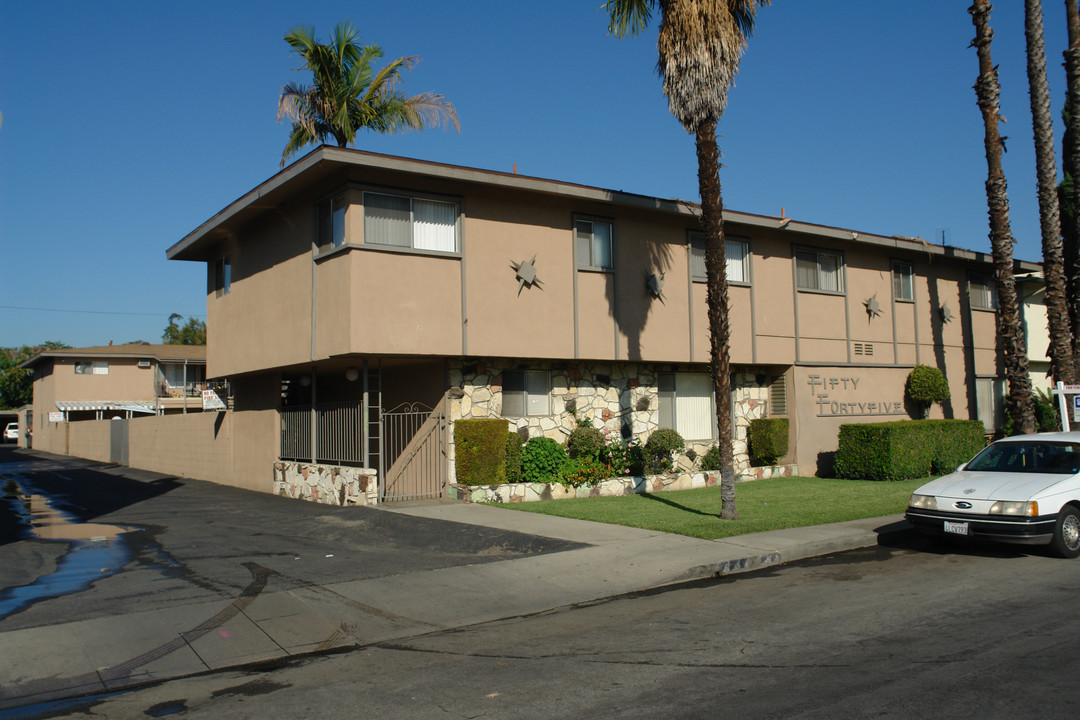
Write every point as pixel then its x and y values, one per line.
pixel 612 487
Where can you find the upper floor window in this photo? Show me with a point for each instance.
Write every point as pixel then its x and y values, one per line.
pixel 819 270
pixel 525 392
pixel 332 222
pixel 222 276
pixel 593 243
pixel 736 258
pixel 903 281
pixel 97 367
pixel 981 292
pixel 410 222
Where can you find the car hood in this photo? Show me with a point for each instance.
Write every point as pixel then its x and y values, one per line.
pixel 992 485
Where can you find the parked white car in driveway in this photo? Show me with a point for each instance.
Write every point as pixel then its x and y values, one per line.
pixel 1023 489
pixel 11 432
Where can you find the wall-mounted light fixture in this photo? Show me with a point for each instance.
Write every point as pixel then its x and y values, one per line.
pixel 352 374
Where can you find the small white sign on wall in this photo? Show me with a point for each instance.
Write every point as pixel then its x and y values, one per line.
pixel 1076 408
pixel 55 417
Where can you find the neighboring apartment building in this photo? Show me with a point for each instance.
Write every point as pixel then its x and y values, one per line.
pixel 113 382
pixel 351 290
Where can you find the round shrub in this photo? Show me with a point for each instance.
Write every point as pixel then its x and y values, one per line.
pixel 584 441
pixel 658 449
pixel 927 385
pixel 541 460
pixel 709 461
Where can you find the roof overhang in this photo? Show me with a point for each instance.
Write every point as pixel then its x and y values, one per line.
pixel 323 162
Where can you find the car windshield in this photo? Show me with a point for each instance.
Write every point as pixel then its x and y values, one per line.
pixel 1028 457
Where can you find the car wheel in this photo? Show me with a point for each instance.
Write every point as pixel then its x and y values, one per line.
pixel 1066 541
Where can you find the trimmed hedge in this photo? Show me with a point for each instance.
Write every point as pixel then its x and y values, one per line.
pixel 768 440
pixel 906 448
pixel 514 446
pixel 480 447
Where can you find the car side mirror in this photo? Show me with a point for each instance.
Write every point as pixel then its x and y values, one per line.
pixel 961 466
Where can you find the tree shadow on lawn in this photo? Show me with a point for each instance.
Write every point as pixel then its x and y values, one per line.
pixel 658 498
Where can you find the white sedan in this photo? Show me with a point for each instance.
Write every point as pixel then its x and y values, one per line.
pixel 1023 489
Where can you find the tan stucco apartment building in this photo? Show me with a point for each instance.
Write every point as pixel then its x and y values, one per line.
pixel 111 382
pixel 352 289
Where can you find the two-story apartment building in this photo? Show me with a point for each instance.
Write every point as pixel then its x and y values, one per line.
pixel 112 381
pixel 352 289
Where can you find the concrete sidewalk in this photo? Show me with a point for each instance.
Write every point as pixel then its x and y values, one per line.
pixel 275 618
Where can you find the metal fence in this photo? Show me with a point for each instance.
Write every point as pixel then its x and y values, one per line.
pixel 339 426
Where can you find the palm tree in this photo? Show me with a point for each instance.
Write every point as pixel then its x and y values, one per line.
pixel 1071 162
pixel 700 45
pixel 347 94
pixel 1057 312
pixel 1019 401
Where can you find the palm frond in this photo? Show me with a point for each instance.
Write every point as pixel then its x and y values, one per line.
pixel 628 17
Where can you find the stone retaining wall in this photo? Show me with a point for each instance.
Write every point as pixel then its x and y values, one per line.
pixel 613 487
pixel 326 484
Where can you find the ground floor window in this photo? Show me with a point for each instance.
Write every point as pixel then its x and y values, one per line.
pixel 990 402
pixel 686 404
pixel 525 393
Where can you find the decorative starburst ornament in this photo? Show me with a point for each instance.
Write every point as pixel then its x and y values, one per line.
pixel 873 308
pixel 526 273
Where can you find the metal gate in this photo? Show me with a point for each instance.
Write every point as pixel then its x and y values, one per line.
pixel 118 442
pixel 413 461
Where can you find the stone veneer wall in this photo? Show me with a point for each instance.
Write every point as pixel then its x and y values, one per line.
pixel 611 394
pixel 613 487
pixel 326 484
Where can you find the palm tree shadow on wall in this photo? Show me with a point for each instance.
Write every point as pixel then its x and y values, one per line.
pixel 631 316
pixel 937 334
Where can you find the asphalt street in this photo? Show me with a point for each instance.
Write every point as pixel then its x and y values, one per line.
pixel 887 632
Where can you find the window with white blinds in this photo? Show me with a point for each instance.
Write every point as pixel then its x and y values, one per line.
pixel 686 404
pixel 410 222
pixel 736 258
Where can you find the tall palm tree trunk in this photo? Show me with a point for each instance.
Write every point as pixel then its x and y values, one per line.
pixel 712 209
pixel 1062 367
pixel 1019 401
pixel 1071 164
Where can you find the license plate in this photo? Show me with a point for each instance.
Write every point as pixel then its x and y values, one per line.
pixel 957 528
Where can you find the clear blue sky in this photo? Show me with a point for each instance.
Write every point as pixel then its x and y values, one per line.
pixel 126 125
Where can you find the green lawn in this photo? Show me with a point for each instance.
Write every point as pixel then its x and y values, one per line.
pixel 763 505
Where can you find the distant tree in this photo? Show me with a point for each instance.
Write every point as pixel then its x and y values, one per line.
pixel 193 332
pixel 987 91
pixel 348 94
pixel 16 383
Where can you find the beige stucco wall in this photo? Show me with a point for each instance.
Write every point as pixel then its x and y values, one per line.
pixel 380 302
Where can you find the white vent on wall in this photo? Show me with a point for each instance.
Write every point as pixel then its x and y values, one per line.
pixel 144 363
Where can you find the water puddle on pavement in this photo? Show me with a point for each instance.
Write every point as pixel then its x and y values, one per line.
pixel 95 550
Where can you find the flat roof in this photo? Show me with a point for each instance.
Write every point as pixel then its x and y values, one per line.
pixel 325 160
pixel 161 353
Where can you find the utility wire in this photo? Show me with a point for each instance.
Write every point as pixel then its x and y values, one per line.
pixel 92 312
